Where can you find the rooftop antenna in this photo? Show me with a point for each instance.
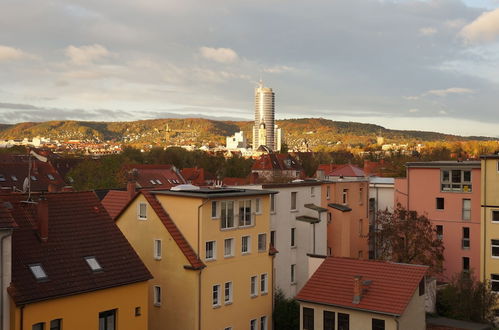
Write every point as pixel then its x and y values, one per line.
pixel 27 181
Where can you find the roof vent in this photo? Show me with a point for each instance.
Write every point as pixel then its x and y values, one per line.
pixel 185 187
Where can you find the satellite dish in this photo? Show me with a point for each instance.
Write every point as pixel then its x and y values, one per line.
pixel 26 185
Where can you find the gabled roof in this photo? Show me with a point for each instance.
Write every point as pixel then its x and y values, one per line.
pixel 115 201
pixel 197 175
pixel 389 292
pixel 346 170
pixel 155 176
pixel 274 161
pixel 43 174
pixel 78 227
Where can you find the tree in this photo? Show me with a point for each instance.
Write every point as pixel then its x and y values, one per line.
pixel 406 237
pixel 286 314
pixel 465 298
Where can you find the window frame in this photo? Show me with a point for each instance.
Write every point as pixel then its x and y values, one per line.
pixel 344 317
pixel 439 233
pixel 215 295
pixel 272 203
pixel 308 318
pixel 492 246
pixel 264 283
pixel 494 280
pixel 38 326
pixel 293 237
pixel 438 201
pixel 466 239
pixel 344 197
pixel 225 215
pixel 492 212
pixel 263 322
pixel 466 210
pixel 228 293
pixel 104 315
pixel 214 251
pixel 449 185
pixel 293 274
pixel 293 201
pixel 264 247
pixel 215 210
pixel 466 261
pixel 242 217
pixel 158 249
pixel 141 216
pixel 326 316
pixel 258 206
pixel 157 295
pixel 253 324
pixel 248 244
pixel 380 326
pixel 253 286
pixel 57 326
pixel 232 247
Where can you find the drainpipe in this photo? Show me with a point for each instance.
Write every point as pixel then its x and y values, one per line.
pixel 199 256
pixel 3 293
pixel 21 324
pixel 484 217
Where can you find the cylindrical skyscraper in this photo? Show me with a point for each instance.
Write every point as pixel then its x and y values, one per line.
pixel 263 130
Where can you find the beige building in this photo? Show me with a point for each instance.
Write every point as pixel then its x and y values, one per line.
pixel 209 253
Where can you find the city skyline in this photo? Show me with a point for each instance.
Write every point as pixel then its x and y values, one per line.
pixel 436 71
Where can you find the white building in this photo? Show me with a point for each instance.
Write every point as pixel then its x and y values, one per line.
pixel 265 131
pixel 236 141
pixel 298 228
pixel 381 198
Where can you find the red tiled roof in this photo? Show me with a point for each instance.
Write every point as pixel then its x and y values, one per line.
pixel 78 227
pixel 182 243
pixel 6 220
pixel 155 176
pixel 115 201
pixel 236 181
pixel 391 289
pixel 342 170
pixel 197 175
pixel 13 175
pixel 276 162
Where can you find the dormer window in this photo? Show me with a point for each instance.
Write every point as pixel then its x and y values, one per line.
pixel 14 178
pixel 93 264
pixel 38 272
pixel 158 181
pixel 50 176
pixel 2 178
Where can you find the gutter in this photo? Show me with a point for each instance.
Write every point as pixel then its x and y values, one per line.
pixel 199 256
pixel 349 307
pixel 3 293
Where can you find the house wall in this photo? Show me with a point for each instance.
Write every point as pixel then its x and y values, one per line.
pixel 414 317
pixel 384 195
pixel 81 312
pixel 6 273
pixel 489 230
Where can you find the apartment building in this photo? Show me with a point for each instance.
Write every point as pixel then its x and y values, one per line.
pixel 7 225
pixel 209 252
pixel 448 193
pixel 298 229
pixel 346 201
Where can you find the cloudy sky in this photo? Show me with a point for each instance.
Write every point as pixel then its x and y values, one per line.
pixel 408 64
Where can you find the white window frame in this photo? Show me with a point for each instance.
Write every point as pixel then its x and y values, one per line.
pixel 263 322
pixel 492 216
pixel 248 245
pixel 466 241
pixel 214 249
pixel 158 249
pixel 492 245
pixel 228 293
pixel 141 216
pixel 265 242
pixel 232 247
pixel 466 211
pixel 215 205
pixel 215 295
pixel 258 206
pixel 157 295
pixel 242 217
pixel 224 220
pixel 254 286
pixel 264 283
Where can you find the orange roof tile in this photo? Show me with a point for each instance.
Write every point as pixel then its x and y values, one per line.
pixel 115 201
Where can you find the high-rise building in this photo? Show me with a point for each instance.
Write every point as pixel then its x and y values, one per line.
pixel 265 132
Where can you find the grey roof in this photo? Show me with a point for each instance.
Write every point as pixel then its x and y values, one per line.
pixel 214 192
pixel 341 207
pixel 315 207
pixel 308 219
pixel 380 180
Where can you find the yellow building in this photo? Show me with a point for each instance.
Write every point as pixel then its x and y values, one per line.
pixel 72 268
pixel 209 253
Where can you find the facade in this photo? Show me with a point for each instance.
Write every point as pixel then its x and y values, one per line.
pixel 298 228
pixel 265 131
pixel 237 141
pixel 354 294
pixel 72 267
pixel 448 193
pixel 381 198
pixel 7 225
pixel 346 201
pixel 209 253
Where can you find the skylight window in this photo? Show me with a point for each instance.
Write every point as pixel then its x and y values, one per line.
pixel 38 272
pixel 14 178
pixel 50 176
pixel 152 181
pixel 33 178
pixel 158 181
pixel 93 264
pixel 2 178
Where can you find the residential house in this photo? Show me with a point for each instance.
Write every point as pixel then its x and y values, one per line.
pixel 448 193
pixel 156 176
pixel 7 225
pixel 273 167
pixel 346 294
pixel 198 176
pixel 209 253
pixel 72 268
pixel 336 171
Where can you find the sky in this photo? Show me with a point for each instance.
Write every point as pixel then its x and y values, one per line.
pixel 404 64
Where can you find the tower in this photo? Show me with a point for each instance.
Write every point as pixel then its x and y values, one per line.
pixel 264 127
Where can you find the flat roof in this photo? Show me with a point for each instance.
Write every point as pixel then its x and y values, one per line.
pixel 446 163
pixel 214 192
pixel 381 180
pixel 293 184
pixel 493 156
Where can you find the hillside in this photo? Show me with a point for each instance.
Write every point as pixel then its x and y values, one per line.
pixel 315 132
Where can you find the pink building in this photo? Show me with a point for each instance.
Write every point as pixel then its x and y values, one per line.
pixel 448 193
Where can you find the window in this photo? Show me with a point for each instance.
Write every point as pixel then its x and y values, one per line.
pixel 312 191
pixel 157 295
pixel 245 213
pixel 293 275
pixel 93 264
pixel 56 324
pixel 228 247
pixel 293 241
pixel 440 231
pixel 2 178
pixel 253 292
pixel 361 195
pixel 456 181
pixel 228 328
pixel 422 287
pixel 329 217
pixel 262 242
pixel 308 318
pixel 440 203
pixel 214 209
pixel 13 177
pixel 343 321
pixel 328 320
pixel 142 211
pixel 494 282
pixel 258 203
pixel 466 264
pixel 495 216
pixel 495 248
pixel 157 249
pixel 38 326
pixel 246 244
pixel 34 178
pixel 272 238
pixel 138 311
pixel 263 283
pixel 253 324
pixel 50 176
pixel 466 209
pixel 328 192
pixel 228 293
pixel 38 272
pixel 263 323
pixel 107 320
pixel 227 214
pixel 378 324
pixel 466 238
pixel 216 295
pixel 345 196
pixel 272 203
pixel 211 250
pixel 293 200
pixel 152 181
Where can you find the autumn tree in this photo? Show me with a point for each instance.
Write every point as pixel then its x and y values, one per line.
pixel 408 237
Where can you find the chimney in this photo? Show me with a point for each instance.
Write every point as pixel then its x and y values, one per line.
pixel 357 289
pixel 130 188
pixel 52 188
pixel 42 217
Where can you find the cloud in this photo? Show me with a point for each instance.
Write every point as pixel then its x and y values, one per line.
pixel 9 53
pixel 453 90
pixel 279 69
pixel 413 110
pixel 483 29
pixel 221 55
pixel 427 31
pixel 86 54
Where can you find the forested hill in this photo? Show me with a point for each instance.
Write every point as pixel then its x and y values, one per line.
pixel 313 131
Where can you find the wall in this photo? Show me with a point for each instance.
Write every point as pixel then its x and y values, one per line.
pixel 6 273
pixel 81 312
pixel 489 230
pixel 414 317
